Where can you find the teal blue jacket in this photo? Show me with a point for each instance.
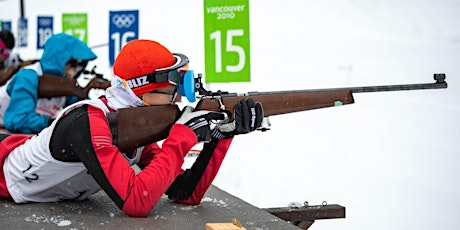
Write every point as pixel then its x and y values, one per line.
pixel 20 116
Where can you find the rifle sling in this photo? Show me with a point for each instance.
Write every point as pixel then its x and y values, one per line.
pixel 112 118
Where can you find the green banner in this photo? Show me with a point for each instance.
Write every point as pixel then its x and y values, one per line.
pixel 76 24
pixel 226 36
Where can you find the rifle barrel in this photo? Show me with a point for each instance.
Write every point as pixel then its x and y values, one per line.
pixel 383 88
pixel 439 84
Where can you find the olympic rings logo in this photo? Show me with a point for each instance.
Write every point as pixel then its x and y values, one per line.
pixel 123 20
pixel 45 21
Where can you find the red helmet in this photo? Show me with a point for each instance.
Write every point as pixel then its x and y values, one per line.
pixel 144 65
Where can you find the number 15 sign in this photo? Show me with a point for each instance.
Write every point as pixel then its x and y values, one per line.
pixel 226 31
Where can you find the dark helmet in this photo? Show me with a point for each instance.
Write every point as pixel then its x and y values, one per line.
pixel 8 38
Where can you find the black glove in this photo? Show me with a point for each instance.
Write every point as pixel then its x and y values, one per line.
pixel 199 122
pixel 248 116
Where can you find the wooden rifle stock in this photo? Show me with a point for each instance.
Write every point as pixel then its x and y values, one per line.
pixel 54 86
pixel 140 126
pixel 280 102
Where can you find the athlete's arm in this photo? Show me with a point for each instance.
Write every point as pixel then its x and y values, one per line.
pixel 134 194
pixel 20 116
pixel 191 185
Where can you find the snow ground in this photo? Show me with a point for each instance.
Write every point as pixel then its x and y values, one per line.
pixel 391 158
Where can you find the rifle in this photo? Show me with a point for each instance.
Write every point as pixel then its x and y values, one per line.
pixel 53 86
pixel 8 72
pixel 134 127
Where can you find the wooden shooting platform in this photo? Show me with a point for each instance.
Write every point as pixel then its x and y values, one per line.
pixel 217 207
pixel 218 210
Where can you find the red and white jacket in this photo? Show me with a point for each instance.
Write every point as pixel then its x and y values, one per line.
pixel 32 174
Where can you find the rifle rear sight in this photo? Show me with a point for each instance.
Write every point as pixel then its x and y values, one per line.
pixel 207 93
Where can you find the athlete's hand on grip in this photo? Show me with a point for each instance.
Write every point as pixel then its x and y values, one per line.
pixel 199 122
pixel 248 116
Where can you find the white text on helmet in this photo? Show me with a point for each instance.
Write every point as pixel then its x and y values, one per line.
pixel 137 82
